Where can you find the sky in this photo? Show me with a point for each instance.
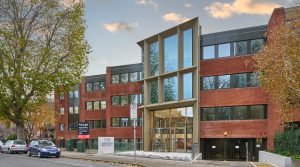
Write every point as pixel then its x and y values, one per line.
pixel 115 26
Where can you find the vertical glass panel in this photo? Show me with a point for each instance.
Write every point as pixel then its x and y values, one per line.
pixel 115 79
pixel 187 86
pixel 187 48
pixel 171 53
pixel 96 86
pixel 89 105
pixel 240 112
pixel 224 50
pixel 223 113
pixel 115 100
pixel 240 48
pixel 89 86
pixel 124 78
pixel 208 114
pixel 76 111
pixel 258 112
pixel 76 93
pixel 124 122
pixel 253 80
pixel 62 111
pixel 115 122
pixel 208 52
pixel 143 62
pixel 153 91
pixel 133 99
pixel 240 80
pixel 256 45
pixel 96 105
pixel 208 83
pixel 170 86
pixel 153 59
pixel 102 85
pixel 224 81
pixel 71 110
pixel 103 104
pixel 133 76
pixel 124 100
pixel 71 95
pixel 61 95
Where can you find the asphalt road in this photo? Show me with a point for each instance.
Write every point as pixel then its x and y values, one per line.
pixel 22 160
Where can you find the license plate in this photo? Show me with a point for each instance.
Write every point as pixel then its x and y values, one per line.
pixel 52 152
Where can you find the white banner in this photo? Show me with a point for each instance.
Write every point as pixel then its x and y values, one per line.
pixel 133 111
pixel 106 145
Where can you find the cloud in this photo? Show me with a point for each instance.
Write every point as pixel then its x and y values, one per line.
pixel 188 5
pixel 117 26
pixel 174 17
pixel 226 10
pixel 147 2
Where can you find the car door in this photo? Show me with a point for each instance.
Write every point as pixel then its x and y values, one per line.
pixel 6 146
pixel 31 147
pixel 35 147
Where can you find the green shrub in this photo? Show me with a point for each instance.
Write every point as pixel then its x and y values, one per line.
pixel 287 143
pixel 11 137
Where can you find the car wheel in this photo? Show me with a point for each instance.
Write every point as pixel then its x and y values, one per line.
pixel 28 153
pixel 9 151
pixel 39 154
pixel 57 156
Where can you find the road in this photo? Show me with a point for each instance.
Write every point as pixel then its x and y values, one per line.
pixel 22 160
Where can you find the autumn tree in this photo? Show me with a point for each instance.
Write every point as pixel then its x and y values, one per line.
pixel 278 65
pixel 42 46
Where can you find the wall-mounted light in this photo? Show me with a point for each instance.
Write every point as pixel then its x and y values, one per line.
pixel 225 133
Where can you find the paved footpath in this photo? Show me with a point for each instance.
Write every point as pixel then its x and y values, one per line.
pixel 150 162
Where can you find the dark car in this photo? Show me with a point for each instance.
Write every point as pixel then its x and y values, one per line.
pixel 43 148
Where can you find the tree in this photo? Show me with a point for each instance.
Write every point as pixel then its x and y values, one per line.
pixel 42 47
pixel 278 65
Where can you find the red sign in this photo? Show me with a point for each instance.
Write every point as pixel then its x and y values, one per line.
pixel 83 136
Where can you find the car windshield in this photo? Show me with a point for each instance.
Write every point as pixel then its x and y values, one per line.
pixel 19 142
pixel 1 143
pixel 46 143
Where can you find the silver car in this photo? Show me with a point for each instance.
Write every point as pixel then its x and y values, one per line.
pixel 1 143
pixel 15 146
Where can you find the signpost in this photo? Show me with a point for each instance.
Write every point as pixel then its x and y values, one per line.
pixel 133 116
pixel 83 132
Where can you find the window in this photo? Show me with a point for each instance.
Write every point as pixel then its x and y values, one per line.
pixel 187 48
pixel 224 81
pixel 224 50
pixel 91 124
pixel 102 86
pixel 124 100
pixel 115 79
pixel 76 110
pixel 139 122
pixel 115 122
pixel 62 111
pixel 100 124
pixel 141 98
pixel 208 83
pixel 240 48
pixel 208 114
pixel 240 112
pixel 96 86
pixel 71 94
pixel 153 59
pixel 208 52
pixel 153 91
pixel 239 80
pixel 223 113
pixel 134 76
pixel 124 78
pixel 170 86
pixel 62 127
pixel 258 112
pixel 103 105
pixel 133 99
pixel 170 53
pixel 89 86
pixel 253 80
pixel 125 122
pixel 71 110
pixel 89 105
pixel 115 100
pixel 61 95
pixel 187 86
pixel 96 105
pixel 256 45
pixel 76 93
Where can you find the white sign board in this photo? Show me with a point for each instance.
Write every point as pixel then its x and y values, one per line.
pixel 106 145
pixel 133 111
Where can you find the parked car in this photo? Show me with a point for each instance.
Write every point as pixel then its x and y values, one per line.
pixel 15 146
pixel 43 148
pixel 1 143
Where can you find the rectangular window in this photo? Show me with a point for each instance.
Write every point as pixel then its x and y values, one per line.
pixel 62 127
pixel 100 123
pixel 96 86
pixel 71 110
pixel 76 110
pixel 115 122
pixel 115 100
pixel 253 80
pixel 102 86
pixel 62 111
pixel 153 91
pixel 208 83
pixel 224 81
pixel 208 114
pixel 115 79
pixel 223 113
pixel 103 105
pixel 170 53
pixel 89 87
pixel 71 94
pixel 61 95
pixel 258 112
pixel 76 93
pixel 141 99
pixel 187 86
pixel 124 78
pixel 133 76
pixel 170 86
pixel 208 52
pixel 187 36
pixel 89 105
pixel 240 112
pixel 125 122
pixel 240 48
pixel 124 100
pixel 91 124
pixel 224 50
pixel 239 80
pixel 153 59
pixel 133 99
pixel 96 105
pixel 256 45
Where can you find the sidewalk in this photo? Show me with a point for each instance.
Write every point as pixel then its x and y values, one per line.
pixel 150 162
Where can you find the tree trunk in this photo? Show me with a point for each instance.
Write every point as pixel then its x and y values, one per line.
pixel 20 131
